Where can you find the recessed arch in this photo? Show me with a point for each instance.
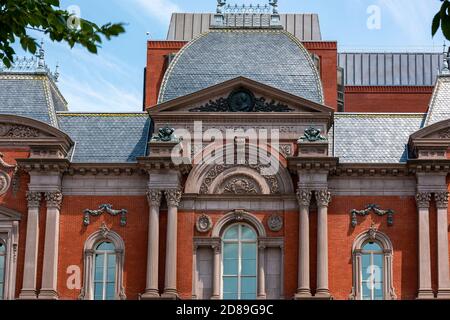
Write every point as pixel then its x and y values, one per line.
pixel 238 216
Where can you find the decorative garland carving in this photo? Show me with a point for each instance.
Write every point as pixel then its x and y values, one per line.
pixel 105 208
pixel 218 169
pixel 241 185
pixel 375 209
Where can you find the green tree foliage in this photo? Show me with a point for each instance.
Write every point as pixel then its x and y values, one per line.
pixel 442 20
pixel 19 17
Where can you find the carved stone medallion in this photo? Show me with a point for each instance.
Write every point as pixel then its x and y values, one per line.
pixel 204 223
pixel 5 182
pixel 275 223
pixel 240 185
pixel 241 100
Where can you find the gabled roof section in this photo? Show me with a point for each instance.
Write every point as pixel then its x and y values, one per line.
pixel 439 109
pixel 185 103
pixel 33 95
pixel 106 137
pixel 374 138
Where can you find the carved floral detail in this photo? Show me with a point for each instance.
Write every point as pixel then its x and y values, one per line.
pixel 275 223
pixel 241 185
pixel 18 131
pixel 304 197
pixel 54 199
pixel 441 199
pixel 444 134
pixel 323 197
pixel 105 208
pixel 423 200
pixel 375 209
pixel 154 197
pixel 34 199
pixel 204 223
pixel 173 197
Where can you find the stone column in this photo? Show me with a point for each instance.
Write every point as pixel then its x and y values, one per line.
pixel 423 204
pixel 152 287
pixel 261 272
pixel 173 197
pixel 49 290
pixel 31 247
pixel 323 198
pixel 304 287
pixel 216 273
pixel 442 243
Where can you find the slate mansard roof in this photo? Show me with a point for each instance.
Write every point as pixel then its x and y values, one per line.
pixel 374 137
pixel 106 137
pixel 272 57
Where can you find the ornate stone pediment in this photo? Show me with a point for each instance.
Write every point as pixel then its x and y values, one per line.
pixel 8 130
pixel 431 142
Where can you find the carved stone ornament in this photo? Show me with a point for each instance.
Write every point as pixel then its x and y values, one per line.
pixel 323 197
pixel 275 223
pixel 165 134
pixel 5 182
pixel 54 199
pixel 5 179
pixel 105 208
pixel 444 134
pixel 241 185
pixel 173 197
pixel 373 232
pixel 104 230
pixel 441 200
pixel 216 170
pixel 34 199
pixel 204 223
pixel 239 215
pixel 154 197
pixel 304 197
pixel 312 135
pixel 18 131
pixel 286 150
pixel 242 100
pixel 423 200
pixel 375 209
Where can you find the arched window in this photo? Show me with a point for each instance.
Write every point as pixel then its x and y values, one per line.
pixel 105 272
pixel 239 263
pixel 2 269
pixel 372 267
pixel 372 271
pixel 104 256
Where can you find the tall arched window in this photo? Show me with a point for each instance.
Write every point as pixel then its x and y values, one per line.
pixel 372 271
pixel 105 272
pixel 239 263
pixel 2 269
pixel 372 267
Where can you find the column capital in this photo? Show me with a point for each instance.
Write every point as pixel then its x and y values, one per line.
pixel 34 199
pixel 441 199
pixel 323 197
pixel 173 197
pixel 54 199
pixel 423 200
pixel 154 197
pixel 304 197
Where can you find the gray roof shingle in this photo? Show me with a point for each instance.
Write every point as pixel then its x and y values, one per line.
pixel 439 109
pixel 272 57
pixel 374 138
pixel 106 138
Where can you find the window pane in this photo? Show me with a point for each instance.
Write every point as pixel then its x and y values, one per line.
pixel 248 233
pixel 232 233
pixel 378 260
pixel 230 267
pixel 246 296
pixel 249 251
pixel 99 259
pixel 230 251
pixel 248 285
pixel 2 268
pixel 2 248
pixel 379 291
pixel 111 260
pixel 1 291
pixel 106 246
pixel 365 260
pixel 230 285
pixel 230 296
pixel 98 291
pixel 366 291
pixel 372 247
pixel 249 267
pixel 110 291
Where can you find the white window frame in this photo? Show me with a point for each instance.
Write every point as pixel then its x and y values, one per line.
pixel 383 240
pixel 106 254
pixel 9 235
pixel 371 255
pixel 103 235
pixel 240 242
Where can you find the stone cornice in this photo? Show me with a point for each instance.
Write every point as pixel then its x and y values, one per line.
pixel 431 166
pixel 363 169
pixel 43 165
pixel 163 163
pixel 106 169
pixel 296 164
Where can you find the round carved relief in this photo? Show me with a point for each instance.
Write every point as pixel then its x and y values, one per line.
pixel 240 185
pixel 5 182
pixel 275 223
pixel 204 223
pixel 241 100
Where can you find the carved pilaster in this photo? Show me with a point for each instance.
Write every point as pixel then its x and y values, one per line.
pixel 423 200
pixel 154 197
pixel 304 197
pixel 54 199
pixel 441 199
pixel 173 197
pixel 323 197
pixel 34 199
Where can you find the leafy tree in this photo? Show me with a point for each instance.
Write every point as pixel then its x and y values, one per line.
pixel 442 20
pixel 19 17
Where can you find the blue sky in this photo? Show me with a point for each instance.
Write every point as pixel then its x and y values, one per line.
pixel 112 81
